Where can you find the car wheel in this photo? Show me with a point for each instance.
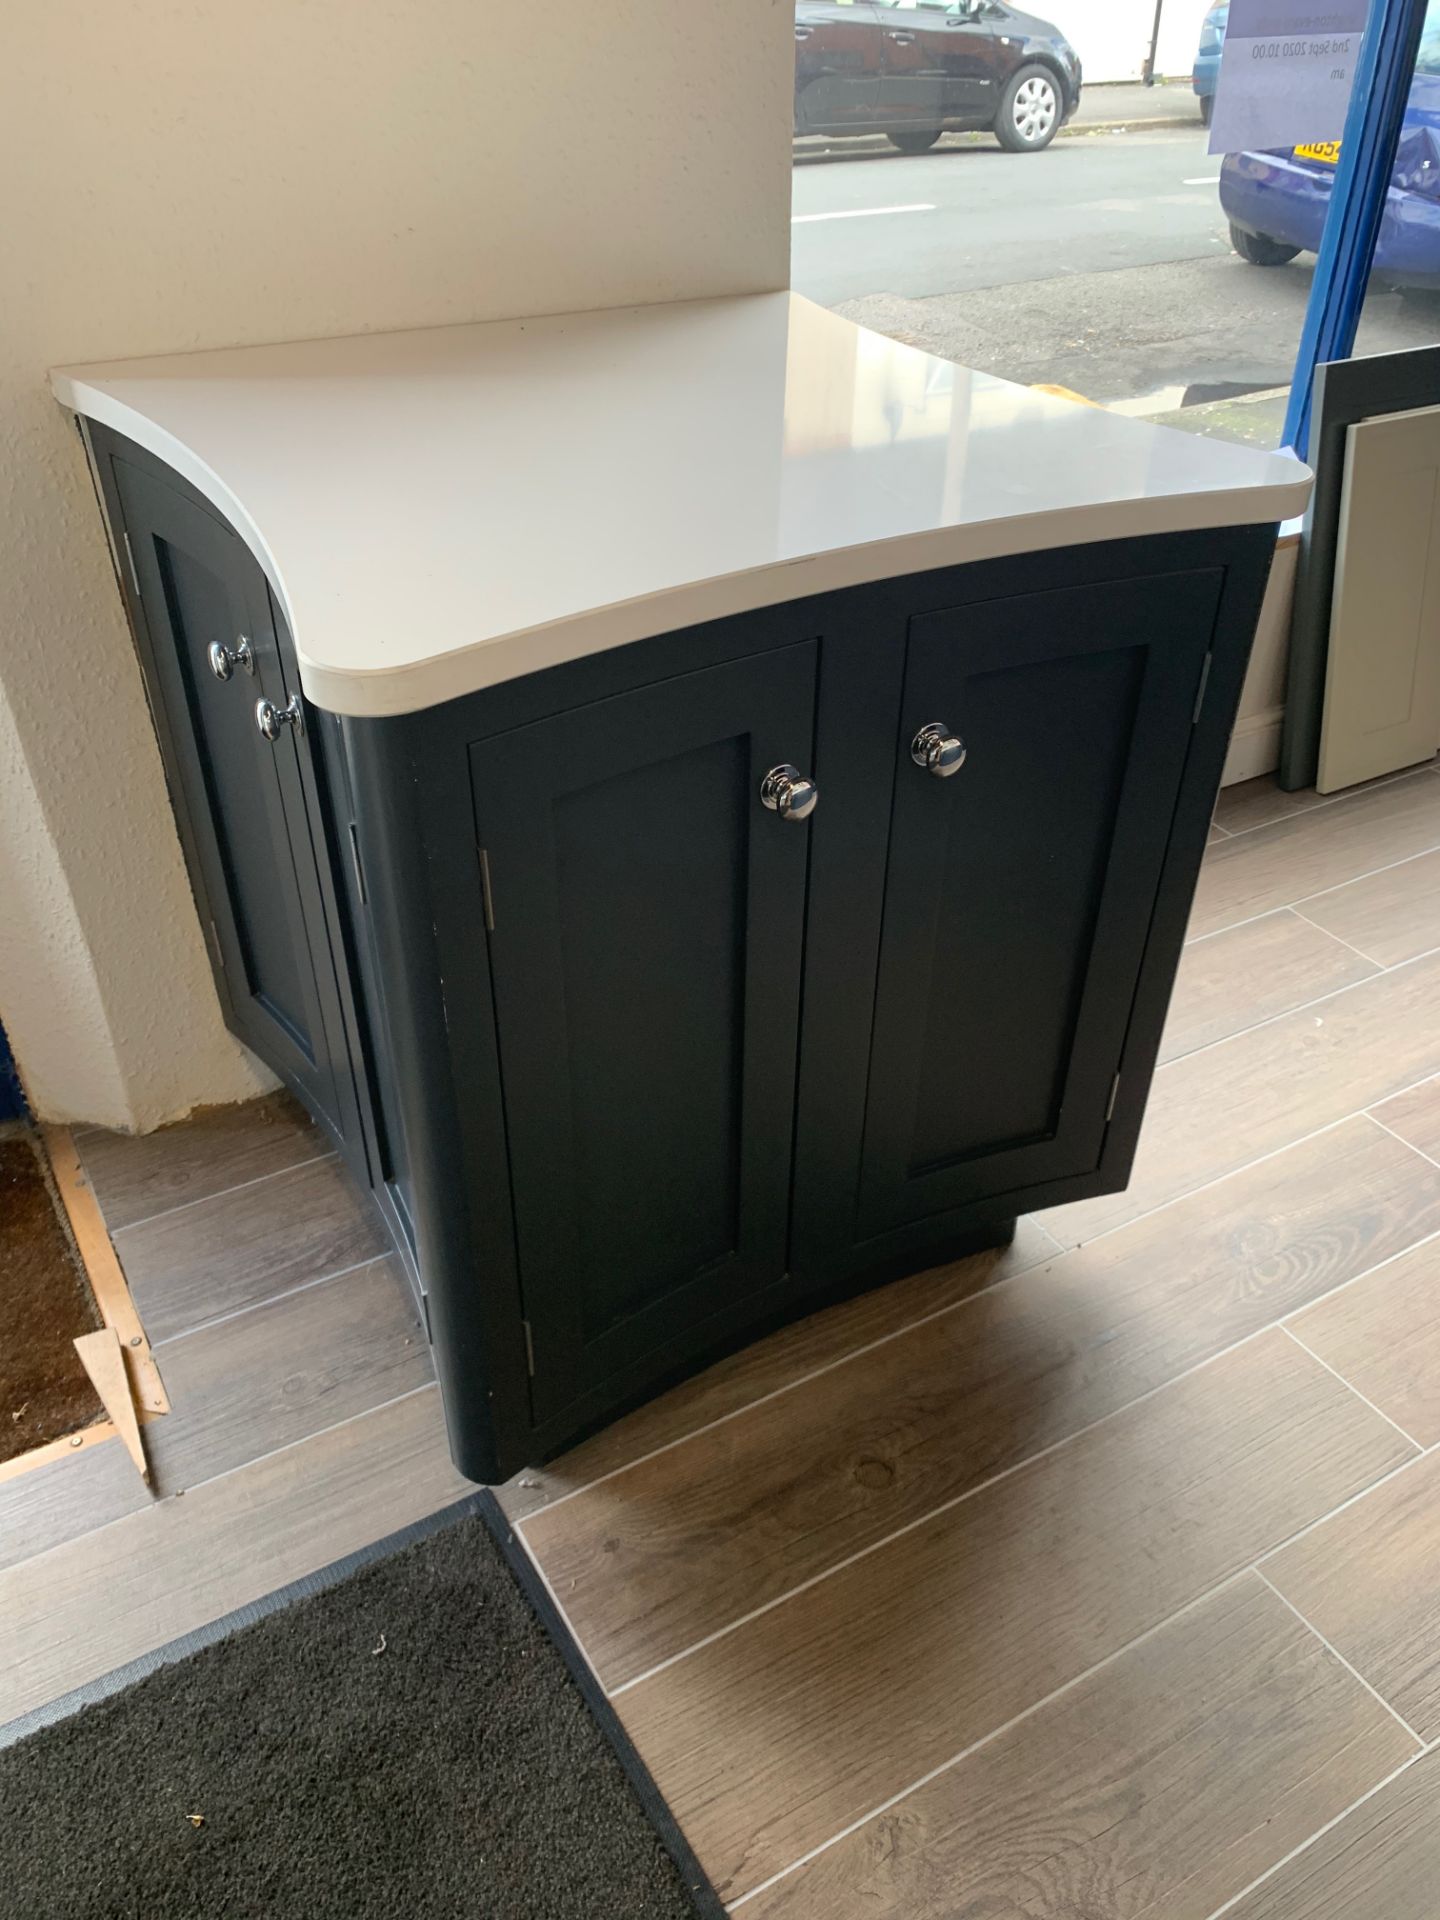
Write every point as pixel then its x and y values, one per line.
pixel 1207 107
pixel 915 139
pixel 1259 249
pixel 1030 111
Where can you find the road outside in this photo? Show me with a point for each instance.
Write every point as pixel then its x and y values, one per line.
pixel 1102 264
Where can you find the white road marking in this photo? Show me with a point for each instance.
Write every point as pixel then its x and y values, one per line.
pixel 1204 180
pixel 861 213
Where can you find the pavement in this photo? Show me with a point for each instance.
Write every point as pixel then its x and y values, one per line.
pixel 1107 108
pixel 1102 265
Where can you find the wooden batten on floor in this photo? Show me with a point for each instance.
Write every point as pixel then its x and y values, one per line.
pixel 148 1398
pixel 106 1275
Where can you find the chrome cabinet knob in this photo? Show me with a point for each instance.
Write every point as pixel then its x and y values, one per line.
pixel 223 662
pixel 938 750
pixel 271 719
pixel 786 791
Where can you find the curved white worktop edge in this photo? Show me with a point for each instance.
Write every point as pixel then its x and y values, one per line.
pixel 401 685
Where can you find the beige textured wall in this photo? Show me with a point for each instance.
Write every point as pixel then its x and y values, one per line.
pixel 203 174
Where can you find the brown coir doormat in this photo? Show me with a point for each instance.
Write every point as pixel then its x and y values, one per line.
pixel 45 1301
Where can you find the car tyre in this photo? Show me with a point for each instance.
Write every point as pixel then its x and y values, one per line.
pixel 1207 108
pixel 915 139
pixel 1259 249
pixel 1031 110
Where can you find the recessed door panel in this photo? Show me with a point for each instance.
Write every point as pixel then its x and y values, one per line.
pixel 647 914
pixel 204 602
pixel 1018 887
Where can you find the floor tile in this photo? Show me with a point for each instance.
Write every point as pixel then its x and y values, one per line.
pixel 91 1606
pixel 1247 974
pixel 772 1363
pixel 135 1176
pixel 1213 1112
pixel 1415 1116
pixel 1367 1581
pixel 1383 1336
pixel 1277 865
pixel 1389 916
pixel 197 1262
pixel 1161 1786
pixel 658 1557
pixel 282 1371
pixel 1381 1862
pixel 775 1736
pixel 48 1505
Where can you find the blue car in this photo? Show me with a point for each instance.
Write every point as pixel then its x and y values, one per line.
pixel 1207 57
pixel 1276 202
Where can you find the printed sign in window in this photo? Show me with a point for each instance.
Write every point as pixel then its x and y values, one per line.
pixel 1286 74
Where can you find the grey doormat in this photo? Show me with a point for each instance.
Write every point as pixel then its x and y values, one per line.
pixel 397 1737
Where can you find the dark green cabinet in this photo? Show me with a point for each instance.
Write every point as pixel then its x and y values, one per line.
pixel 636 1062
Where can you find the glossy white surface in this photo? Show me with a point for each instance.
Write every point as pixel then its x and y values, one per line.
pixel 442 510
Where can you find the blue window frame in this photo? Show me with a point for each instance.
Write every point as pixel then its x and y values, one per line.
pixel 1383 74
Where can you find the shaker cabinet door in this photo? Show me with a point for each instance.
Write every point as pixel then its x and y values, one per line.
pixel 204 604
pixel 1019 885
pixel 646 915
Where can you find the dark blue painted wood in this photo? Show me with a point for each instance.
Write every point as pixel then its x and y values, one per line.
pixel 12 1100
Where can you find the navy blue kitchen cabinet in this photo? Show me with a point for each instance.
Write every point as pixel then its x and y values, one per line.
pixel 665 994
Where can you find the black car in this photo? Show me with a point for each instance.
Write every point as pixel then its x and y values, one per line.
pixel 914 69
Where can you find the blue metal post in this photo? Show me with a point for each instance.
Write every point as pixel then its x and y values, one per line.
pixel 1383 73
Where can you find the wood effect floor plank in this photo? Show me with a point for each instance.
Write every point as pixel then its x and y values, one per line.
pixel 1259 802
pixel 781 1358
pixel 1381 1862
pixel 186 1561
pixel 1415 1116
pixel 1277 865
pixel 65 1498
pixel 1233 980
pixel 1367 1581
pixel 1161 1786
pixel 134 1176
pixel 1383 1335
pixel 658 1557
pixel 1389 916
pixel 285 1370
pixel 775 1736
pixel 1213 1112
pixel 239 1248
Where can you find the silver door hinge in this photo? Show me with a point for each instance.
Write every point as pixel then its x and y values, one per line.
pixel 1200 690
pixel 216 947
pixel 529 1349
pixel 130 560
pixel 486 891
pixel 356 863
pixel 1114 1096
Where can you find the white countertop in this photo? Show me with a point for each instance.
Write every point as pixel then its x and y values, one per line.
pixel 442 510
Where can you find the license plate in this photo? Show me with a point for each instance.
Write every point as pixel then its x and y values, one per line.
pixel 1326 151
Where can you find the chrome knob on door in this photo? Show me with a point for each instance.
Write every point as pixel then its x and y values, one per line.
pixel 223 662
pixel 271 720
pixel 938 750
pixel 786 791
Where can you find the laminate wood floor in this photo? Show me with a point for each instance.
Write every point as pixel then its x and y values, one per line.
pixel 1101 1581
pixel 1089 1580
